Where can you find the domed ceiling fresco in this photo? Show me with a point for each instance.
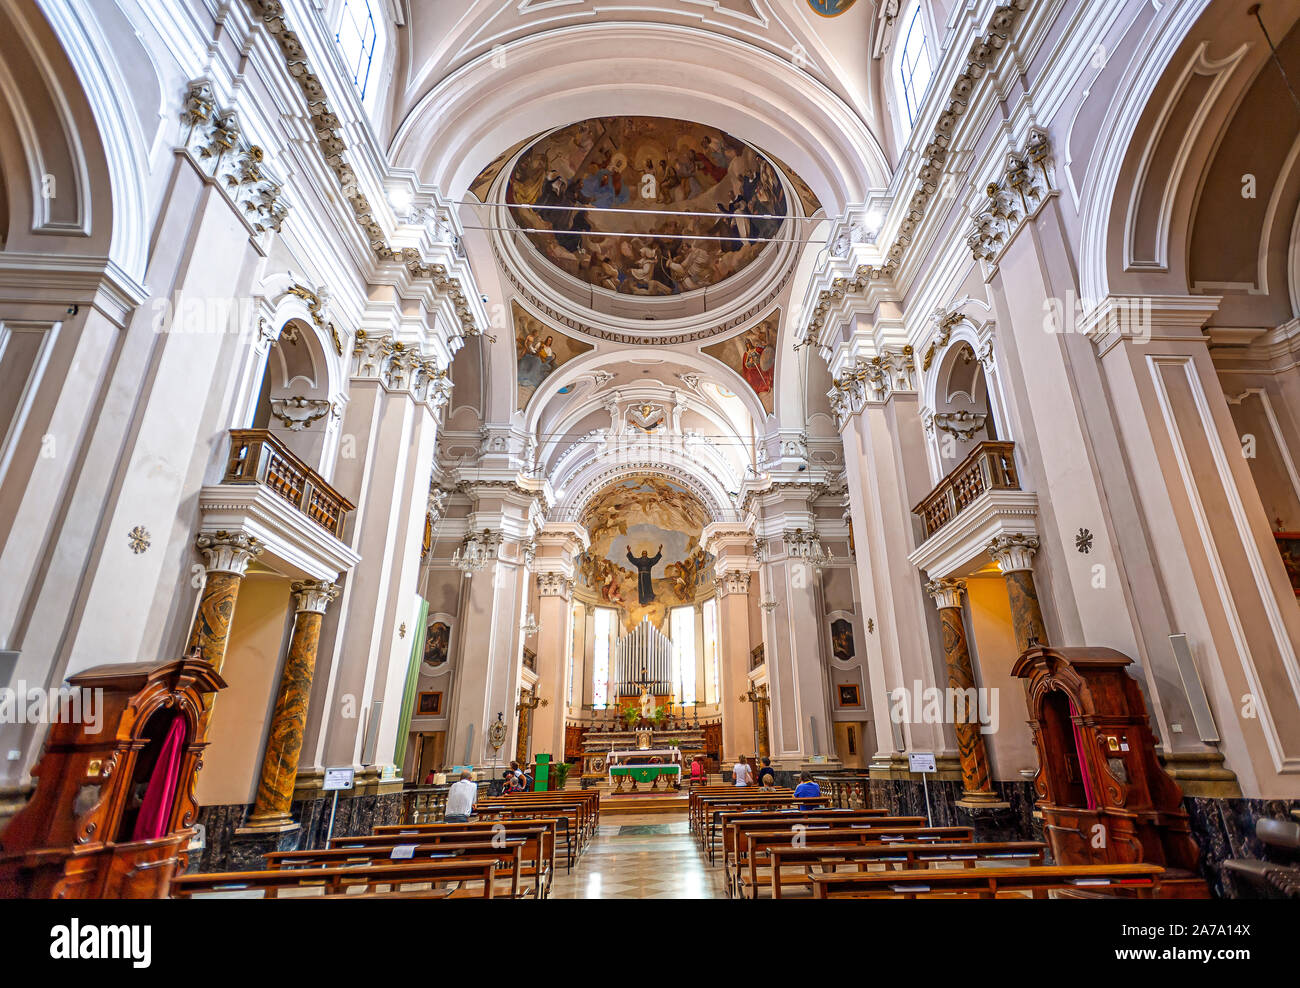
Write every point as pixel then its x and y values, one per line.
pixel 605 198
pixel 645 556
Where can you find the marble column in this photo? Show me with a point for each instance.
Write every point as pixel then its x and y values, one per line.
pixel 760 717
pixel 1014 555
pixel 977 786
pixel 528 702
pixel 284 743
pixel 227 556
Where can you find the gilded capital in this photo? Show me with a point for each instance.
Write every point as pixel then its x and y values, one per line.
pixel 227 552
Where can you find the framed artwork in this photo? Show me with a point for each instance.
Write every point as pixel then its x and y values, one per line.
pixel 429 704
pixel 1288 544
pixel 849 695
pixel 842 646
pixel 436 641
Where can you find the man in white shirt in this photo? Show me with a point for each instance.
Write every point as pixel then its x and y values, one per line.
pixel 741 773
pixel 460 799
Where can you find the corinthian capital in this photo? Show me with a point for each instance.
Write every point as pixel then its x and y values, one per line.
pixel 946 593
pixel 313 596
pixel 1013 552
pixel 227 552
pixel 733 581
pixel 554 585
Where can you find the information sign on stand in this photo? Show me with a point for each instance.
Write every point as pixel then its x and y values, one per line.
pixel 336 780
pixel 922 763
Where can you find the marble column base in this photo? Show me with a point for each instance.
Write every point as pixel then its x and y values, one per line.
pixel 249 846
pixel 1201 773
pixel 982 800
pixel 275 823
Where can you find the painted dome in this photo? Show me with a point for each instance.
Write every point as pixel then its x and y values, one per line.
pixel 604 200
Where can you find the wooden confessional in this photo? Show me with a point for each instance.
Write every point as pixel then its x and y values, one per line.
pixel 114 802
pixel 1104 797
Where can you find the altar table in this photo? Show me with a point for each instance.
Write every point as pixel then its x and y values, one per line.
pixel 644 773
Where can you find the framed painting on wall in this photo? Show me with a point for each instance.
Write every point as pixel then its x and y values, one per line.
pixel 430 704
pixel 849 696
pixel 436 642
pixel 842 646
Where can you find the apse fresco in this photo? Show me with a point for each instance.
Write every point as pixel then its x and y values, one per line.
pixel 645 556
pixel 488 175
pixel 539 351
pixel 654 165
pixel 752 355
pixel 807 197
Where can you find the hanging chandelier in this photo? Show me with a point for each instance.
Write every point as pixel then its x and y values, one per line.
pixel 475 553
pixel 808 547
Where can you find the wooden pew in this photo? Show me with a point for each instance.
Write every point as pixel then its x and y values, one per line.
pixel 696 798
pixel 584 811
pixel 735 825
pixel 589 799
pixel 509 853
pixel 334 880
pixel 903 855
pixel 545 831
pixel 730 820
pixel 566 823
pixel 715 808
pixel 1142 880
pixel 879 830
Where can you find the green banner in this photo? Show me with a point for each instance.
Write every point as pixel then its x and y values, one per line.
pixel 412 679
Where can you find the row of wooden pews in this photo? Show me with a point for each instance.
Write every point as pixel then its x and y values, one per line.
pixel 707 804
pixel 831 854
pixel 509 851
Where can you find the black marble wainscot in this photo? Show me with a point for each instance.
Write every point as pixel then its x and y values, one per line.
pixel 1225 828
pixel 904 797
pixel 225 851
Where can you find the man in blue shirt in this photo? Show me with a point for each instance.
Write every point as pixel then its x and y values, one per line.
pixel 807 787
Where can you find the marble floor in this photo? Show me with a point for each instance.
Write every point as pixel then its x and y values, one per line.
pixel 641 856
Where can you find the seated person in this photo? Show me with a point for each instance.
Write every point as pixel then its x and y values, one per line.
pixel 510 783
pixel 807 787
pixel 765 773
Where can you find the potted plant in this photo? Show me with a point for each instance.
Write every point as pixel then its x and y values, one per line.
pixel 560 775
pixel 630 716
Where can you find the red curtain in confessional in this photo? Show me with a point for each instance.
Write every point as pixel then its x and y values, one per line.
pixel 161 794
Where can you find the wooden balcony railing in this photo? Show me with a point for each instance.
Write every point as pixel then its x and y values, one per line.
pixel 991 466
pixel 257 457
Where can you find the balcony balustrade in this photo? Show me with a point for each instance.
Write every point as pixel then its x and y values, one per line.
pixel 257 457
pixel 991 466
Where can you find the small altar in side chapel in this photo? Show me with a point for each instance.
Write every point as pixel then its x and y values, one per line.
pixel 648 739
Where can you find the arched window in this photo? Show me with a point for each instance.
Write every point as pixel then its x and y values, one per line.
pixel 683 636
pixel 602 652
pixel 712 686
pixel 914 68
pixel 357 37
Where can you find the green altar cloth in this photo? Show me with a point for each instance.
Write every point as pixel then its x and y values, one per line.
pixel 645 773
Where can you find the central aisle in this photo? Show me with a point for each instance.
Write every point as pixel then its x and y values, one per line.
pixel 641 856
